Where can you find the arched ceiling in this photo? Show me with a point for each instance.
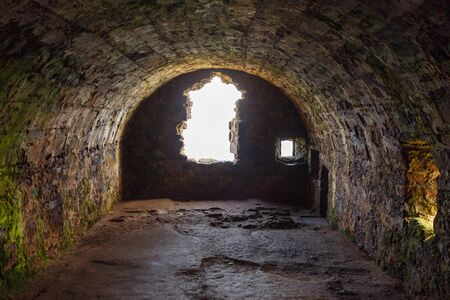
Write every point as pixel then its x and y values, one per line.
pixel 366 75
pixel 336 60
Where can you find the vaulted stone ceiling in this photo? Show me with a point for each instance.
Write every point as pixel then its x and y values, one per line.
pixel 366 76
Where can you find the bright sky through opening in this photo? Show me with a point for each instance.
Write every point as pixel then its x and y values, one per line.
pixel 287 148
pixel 207 133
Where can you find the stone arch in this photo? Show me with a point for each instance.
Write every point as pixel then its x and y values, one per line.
pixel 367 77
pixel 151 146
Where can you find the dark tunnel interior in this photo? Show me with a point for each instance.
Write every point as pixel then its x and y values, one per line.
pixel 93 108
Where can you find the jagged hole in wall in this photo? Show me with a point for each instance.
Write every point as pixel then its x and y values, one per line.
pixel 211 110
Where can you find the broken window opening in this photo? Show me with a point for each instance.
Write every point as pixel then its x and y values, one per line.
pixel 209 134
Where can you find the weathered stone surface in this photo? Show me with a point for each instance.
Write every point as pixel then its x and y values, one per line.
pixel 152 166
pixel 179 255
pixel 421 185
pixel 365 75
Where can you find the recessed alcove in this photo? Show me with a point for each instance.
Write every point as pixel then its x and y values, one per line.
pixel 420 206
pixel 291 151
pixel 154 164
pixel 287 148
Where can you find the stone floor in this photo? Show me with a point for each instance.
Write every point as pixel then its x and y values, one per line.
pixel 163 249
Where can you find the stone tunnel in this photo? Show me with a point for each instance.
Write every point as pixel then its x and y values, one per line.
pixel 89 88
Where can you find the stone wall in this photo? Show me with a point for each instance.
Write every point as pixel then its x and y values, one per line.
pixel 367 76
pixel 152 166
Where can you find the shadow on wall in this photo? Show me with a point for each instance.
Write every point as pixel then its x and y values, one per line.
pixel 152 166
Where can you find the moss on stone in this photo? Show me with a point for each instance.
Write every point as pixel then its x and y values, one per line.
pixel 387 253
pixel 42 251
pixel 348 233
pixel 13 263
pixel 68 234
pixel 88 212
pixel 333 221
pixel 26 96
pixel 418 228
pixel 10 145
pixel 82 212
pixel 404 254
pixel 79 218
pixel 415 83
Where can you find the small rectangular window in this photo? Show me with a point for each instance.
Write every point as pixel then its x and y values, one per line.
pixel 287 148
pixel 291 150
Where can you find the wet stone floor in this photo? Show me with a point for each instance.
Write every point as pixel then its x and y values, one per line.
pixel 163 249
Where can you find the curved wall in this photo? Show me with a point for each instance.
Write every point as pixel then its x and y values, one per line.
pixel 152 166
pixel 367 75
